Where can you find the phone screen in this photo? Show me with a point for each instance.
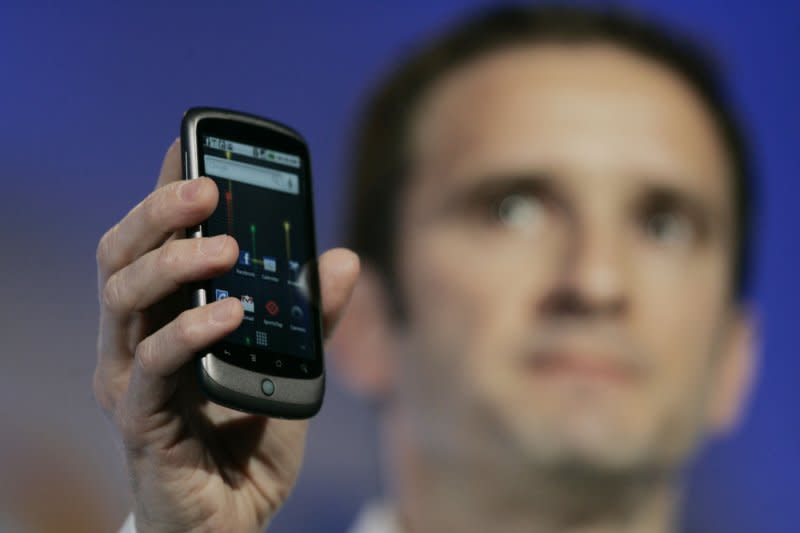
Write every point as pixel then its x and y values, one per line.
pixel 265 204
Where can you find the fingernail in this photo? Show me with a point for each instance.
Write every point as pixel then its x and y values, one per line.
pixel 189 189
pixel 221 313
pixel 215 245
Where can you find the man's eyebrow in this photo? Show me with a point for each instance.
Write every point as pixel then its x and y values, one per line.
pixel 656 194
pixel 492 185
pixel 480 190
pixel 659 193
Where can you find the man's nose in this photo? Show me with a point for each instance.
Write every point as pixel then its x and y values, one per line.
pixel 592 275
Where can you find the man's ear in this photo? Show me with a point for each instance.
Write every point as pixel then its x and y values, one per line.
pixel 362 344
pixel 735 373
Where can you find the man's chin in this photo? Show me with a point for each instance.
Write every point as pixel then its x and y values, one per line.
pixel 591 442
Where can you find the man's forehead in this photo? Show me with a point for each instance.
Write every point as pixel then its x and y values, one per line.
pixel 579 108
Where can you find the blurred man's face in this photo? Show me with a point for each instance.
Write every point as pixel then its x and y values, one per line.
pixel 565 253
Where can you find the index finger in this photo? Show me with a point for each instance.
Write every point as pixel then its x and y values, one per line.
pixel 172 206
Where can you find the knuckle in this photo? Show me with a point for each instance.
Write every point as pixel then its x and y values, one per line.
pixel 105 247
pixel 145 357
pixel 112 299
pixel 184 329
pixel 198 247
pixel 127 427
pixel 202 258
pixel 180 208
pixel 101 392
pixel 169 257
pixel 152 208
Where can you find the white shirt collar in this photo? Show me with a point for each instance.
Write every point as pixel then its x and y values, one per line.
pixel 376 517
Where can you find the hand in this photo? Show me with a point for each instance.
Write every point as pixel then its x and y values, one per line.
pixel 194 465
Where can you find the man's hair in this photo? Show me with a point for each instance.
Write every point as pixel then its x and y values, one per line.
pixel 380 161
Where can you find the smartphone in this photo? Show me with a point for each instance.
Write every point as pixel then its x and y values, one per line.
pixel 272 364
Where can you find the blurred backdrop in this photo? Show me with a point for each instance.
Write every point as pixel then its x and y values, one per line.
pixel 92 95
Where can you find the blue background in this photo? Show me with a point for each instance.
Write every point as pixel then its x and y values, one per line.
pixel 91 96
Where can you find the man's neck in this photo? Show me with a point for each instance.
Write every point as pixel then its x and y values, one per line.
pixel 471 497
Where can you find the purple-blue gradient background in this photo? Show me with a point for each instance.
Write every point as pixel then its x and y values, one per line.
pixel 91 97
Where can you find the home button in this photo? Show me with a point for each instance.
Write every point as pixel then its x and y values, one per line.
pixel 267 387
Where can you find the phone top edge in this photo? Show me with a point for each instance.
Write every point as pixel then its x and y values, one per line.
pixel 195 114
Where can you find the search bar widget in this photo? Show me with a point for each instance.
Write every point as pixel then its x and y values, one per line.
pixel 252 174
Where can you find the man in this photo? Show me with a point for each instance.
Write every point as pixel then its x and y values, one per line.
pixel 550 209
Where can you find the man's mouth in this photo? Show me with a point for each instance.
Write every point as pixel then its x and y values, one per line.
pixel 581 366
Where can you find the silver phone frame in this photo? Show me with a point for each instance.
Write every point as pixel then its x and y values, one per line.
pixel 223 382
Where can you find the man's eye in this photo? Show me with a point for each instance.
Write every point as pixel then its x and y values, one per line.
pixel 519 211
pixel 669 227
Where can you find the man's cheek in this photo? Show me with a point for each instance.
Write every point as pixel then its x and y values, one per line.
pixel 447 284
pixel 680 345
pixel 467 326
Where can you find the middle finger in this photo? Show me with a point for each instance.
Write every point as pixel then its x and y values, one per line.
pixel 160 272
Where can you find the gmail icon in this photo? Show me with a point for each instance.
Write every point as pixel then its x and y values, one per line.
pixel 248 304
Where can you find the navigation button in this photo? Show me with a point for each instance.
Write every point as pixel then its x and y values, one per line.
pixel 267 387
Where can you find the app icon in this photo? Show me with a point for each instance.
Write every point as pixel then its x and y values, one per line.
pixel 270 264
pixel 221 294
pixel 294 266
pixel 297 313
pixel 244 258
pixel 248 303
pixel 261 338
pixel 272 307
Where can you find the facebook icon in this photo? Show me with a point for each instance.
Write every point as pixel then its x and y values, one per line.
pixel 244 258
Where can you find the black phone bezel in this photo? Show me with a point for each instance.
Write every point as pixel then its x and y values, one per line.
pixel 268 361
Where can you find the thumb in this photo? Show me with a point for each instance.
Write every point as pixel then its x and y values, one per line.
pixel 338 272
